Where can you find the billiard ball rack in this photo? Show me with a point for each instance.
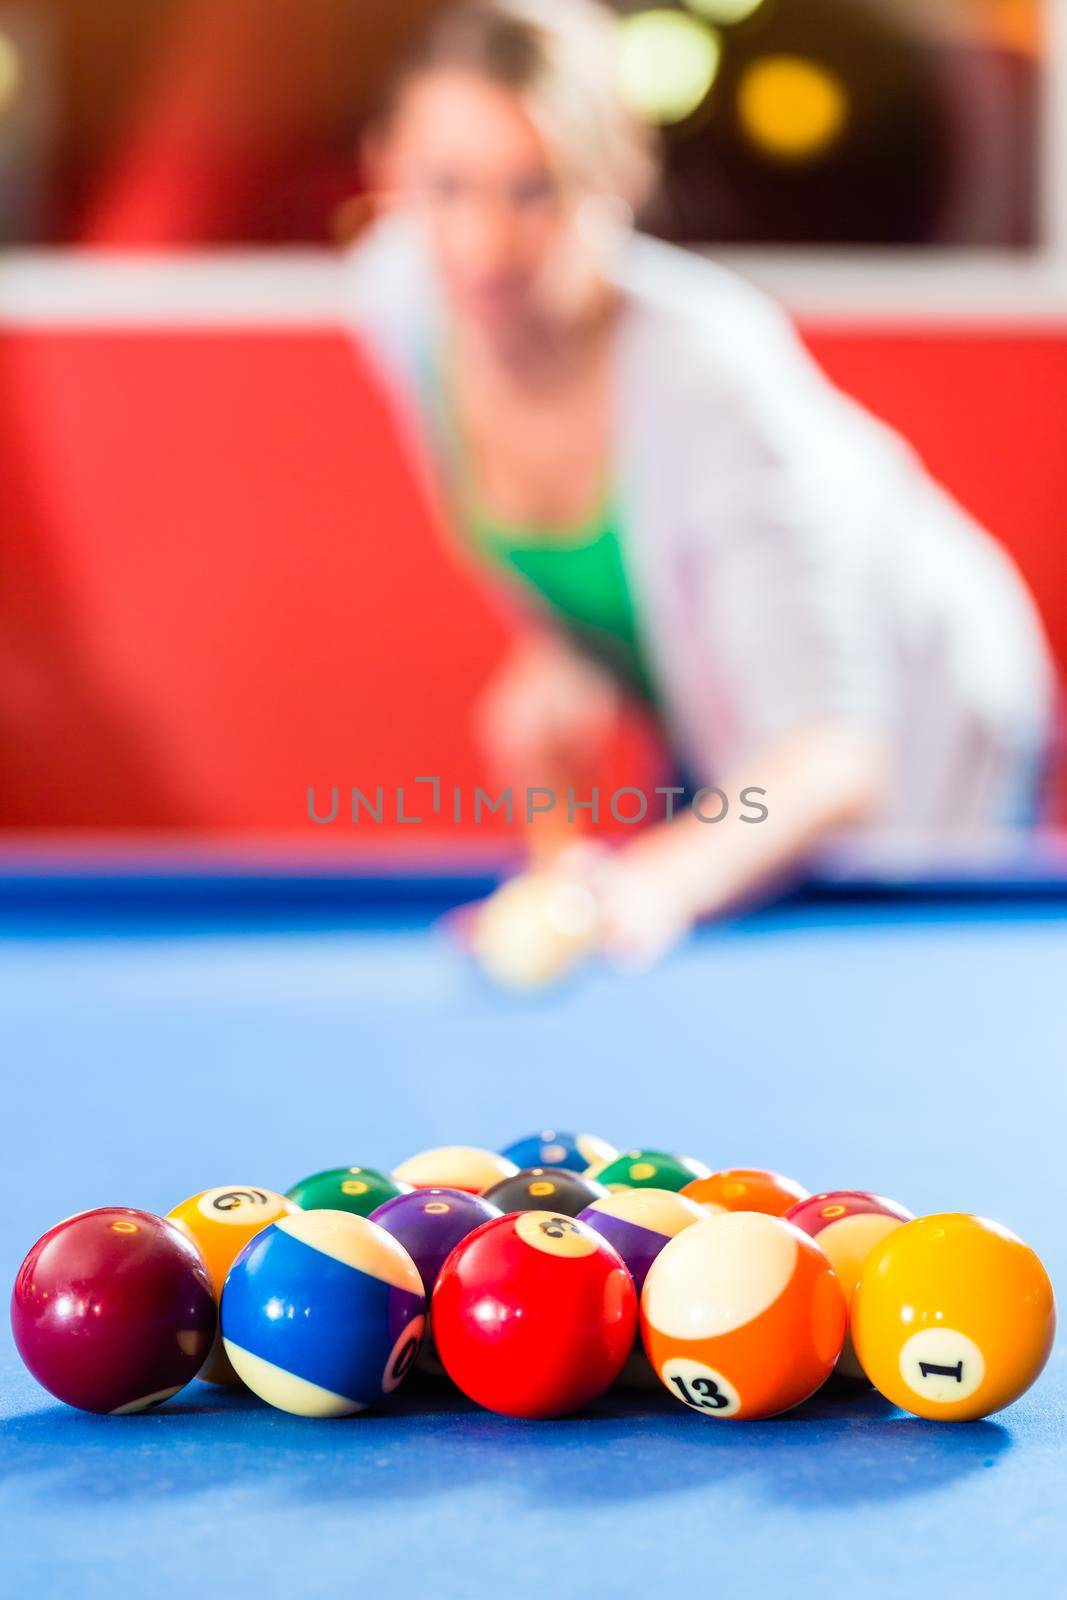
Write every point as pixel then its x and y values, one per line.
pixel 534 1280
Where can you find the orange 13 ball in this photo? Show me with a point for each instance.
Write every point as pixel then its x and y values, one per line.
pixel 742 1316
pixel 220 1222
pixel 746 1189
pixel 953 1317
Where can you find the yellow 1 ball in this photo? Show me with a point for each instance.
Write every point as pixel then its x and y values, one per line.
pixel 953 1317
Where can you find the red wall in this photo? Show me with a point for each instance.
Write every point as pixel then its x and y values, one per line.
pixel 218 584
pixel 988 412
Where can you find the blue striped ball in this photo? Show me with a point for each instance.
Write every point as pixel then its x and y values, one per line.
pixel 323 1313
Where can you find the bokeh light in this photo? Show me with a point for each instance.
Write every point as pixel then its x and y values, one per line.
pixel 10 72
pixel 725 13
pixel 668 64
pixel 792 108
pixel 1015 25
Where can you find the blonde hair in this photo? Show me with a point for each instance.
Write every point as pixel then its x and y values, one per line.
pixel 561 57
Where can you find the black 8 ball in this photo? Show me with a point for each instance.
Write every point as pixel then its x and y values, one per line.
pixel 545 1189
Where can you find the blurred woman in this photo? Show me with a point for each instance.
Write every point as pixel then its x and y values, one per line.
pixel 636 442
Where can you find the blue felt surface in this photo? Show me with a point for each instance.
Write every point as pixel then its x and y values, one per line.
pixel 920 1053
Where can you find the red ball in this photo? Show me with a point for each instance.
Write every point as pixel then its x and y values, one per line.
pixel 113 1310
pixel 534 1315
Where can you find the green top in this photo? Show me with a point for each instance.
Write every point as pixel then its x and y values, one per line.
pixel 582 578
pixel 579 574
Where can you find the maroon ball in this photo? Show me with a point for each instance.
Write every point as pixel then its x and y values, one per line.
pixel 113 1310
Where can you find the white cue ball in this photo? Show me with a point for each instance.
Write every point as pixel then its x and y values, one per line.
pixel 534 930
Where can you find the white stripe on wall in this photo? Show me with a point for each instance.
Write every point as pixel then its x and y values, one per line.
pixel 305 289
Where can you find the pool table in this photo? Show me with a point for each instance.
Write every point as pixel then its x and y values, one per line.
pixel 164 1029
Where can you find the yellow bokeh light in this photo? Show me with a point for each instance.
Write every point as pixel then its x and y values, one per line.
pixel 668 63
pixel 725 13
pixel 10 71
pixel 792 108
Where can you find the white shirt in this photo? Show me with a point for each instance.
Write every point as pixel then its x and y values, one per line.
pixel 791 559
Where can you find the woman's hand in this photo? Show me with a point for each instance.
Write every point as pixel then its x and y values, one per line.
pixel 546 722
pixel 589 900
pixel 632 905
pixel 547 712
pixel 641 895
